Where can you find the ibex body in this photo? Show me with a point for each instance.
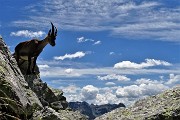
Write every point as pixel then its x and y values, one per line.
pixel 29 50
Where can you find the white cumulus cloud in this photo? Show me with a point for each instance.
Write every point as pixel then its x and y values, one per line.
pixel 112 53
pixel 69 70
pixel 45 66
pixel 79 54
pixel 83 39
pixel 138 91
pixel 110 84
pixel 27 33
pixel 89 92
pixel 146 64
pixel 97 42
pixel 80 39
pixel 106 98
pixel 72 72
pixel 114 77
pixel 72 89
pixel 173 79
pixel 147 81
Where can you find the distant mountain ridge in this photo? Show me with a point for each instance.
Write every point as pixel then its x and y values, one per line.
pixel 93 111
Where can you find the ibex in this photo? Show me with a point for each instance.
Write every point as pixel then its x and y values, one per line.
pixel 30 50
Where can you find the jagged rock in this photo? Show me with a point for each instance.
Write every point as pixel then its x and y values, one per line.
pixel 46 114
pixel 56 105
pixel 59 105
pixel 82 107
pixel 40 88
pixel 50 114
pixel 12 82
pixel 58 93
pixel 164 106
pixel 99 110
pixel 46 95
pixel 93 111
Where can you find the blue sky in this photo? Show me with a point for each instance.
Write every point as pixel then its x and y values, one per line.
pixel 107 51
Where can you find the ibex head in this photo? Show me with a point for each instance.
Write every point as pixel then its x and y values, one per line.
pixel 52 35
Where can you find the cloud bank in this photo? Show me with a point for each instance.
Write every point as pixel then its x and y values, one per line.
pixel 114 77
pixel 138 91
pixel 108 85
pixel 112 93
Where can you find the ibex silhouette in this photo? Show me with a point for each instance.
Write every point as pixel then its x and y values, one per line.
pixel 29 50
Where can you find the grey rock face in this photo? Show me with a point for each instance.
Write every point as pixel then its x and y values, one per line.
pixel 164 106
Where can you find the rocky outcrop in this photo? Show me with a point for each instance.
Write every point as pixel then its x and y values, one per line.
pixel 47 96
pixel 26 97
pixel 93 111
pixel 13 84
pixel 164 106
pixel 50 114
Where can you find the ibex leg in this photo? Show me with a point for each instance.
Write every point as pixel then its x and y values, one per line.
pixel 29 66
pixel 34 65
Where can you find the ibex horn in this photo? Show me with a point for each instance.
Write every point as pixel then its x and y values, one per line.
pixel 52 28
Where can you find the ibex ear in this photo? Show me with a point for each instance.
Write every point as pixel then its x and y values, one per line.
pixel 55 31
pixel 49 33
